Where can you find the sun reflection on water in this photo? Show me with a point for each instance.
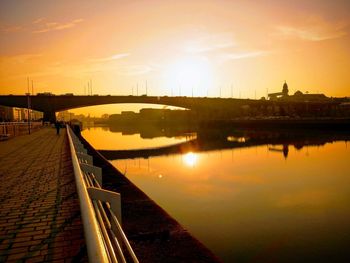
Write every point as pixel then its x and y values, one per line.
pixel 190 159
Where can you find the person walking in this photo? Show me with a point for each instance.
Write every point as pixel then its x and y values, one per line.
pixel 57 125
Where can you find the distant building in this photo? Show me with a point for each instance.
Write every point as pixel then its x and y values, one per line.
pixel 45 94
pixel 64 116
pixel 125 116
pixel 154 115
pixel 25 113
pixel 37 115
pixel 18 114
pixel 10 114
pixel 277 95
pixel 6 113
pixel 298 96
pixel 164 114
pixel 345 108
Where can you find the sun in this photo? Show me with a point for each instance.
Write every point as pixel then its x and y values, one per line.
pixel 190 76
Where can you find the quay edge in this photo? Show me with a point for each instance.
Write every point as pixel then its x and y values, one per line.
pixel 154 235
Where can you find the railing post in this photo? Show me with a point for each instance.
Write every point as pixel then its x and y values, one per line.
pixel 112 198
pixel 85 157
pixel 96 171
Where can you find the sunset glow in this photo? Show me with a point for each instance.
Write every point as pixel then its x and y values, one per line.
pixel 221 48
pixel 194 73
pixel 206 131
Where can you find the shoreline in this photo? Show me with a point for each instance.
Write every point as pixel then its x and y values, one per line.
pixel 154 235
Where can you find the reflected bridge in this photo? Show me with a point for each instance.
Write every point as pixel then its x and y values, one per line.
pixel 204 145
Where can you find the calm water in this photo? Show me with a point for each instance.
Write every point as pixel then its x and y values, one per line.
pixel 265 203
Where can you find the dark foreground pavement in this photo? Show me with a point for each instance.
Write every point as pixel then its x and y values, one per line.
pixel 40 214
pixel 39 207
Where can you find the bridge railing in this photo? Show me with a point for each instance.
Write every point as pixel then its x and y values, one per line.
pixel 100 210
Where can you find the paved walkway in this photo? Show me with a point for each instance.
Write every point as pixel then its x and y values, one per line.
pixel 39 208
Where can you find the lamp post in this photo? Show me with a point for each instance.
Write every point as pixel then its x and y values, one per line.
pixel 28 107
pixel 28 111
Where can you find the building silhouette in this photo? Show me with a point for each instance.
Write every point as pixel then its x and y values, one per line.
pixel 282 94
pixel 297 96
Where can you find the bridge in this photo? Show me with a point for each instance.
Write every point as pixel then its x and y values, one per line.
pixel 208 108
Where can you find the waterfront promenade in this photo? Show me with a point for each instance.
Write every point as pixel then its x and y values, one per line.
pixel 39 207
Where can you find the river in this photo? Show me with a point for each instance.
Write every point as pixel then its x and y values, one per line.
pixel 259 199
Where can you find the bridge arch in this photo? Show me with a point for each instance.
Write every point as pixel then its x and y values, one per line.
pixel 49 105
pixel 220 108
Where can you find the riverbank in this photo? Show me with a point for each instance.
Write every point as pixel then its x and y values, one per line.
pixel 281 122
pixel 275 122
pixel 154 235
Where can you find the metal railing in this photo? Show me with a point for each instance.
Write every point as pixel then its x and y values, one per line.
pixel 100 210
pixel 11 129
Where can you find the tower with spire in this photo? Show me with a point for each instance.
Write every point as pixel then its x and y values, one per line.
pixel 285 89
pixel 282 94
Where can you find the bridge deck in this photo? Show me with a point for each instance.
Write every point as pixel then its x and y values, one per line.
pixel 39 207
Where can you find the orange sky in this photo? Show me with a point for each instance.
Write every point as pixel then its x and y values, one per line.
pixel 239 47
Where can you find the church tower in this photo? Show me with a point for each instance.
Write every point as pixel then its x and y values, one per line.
pixel 285 89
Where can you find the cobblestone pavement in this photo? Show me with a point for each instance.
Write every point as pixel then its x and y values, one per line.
pixel 39 208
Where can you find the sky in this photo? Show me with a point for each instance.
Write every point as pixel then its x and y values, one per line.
pixel 205 48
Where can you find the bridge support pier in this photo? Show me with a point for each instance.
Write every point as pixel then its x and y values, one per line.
pixel 50 116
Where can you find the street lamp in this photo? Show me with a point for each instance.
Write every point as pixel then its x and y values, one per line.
pixel 28 111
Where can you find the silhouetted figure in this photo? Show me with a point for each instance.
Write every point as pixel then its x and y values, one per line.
pixel 57 125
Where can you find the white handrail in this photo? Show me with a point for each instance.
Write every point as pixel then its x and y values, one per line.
pixel 93 236
pixel 105 205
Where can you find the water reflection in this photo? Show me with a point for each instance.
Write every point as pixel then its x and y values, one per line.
pixel 235 191
pixel 190 159
pixel 105 138
pixel 284 150
pixel 205 140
